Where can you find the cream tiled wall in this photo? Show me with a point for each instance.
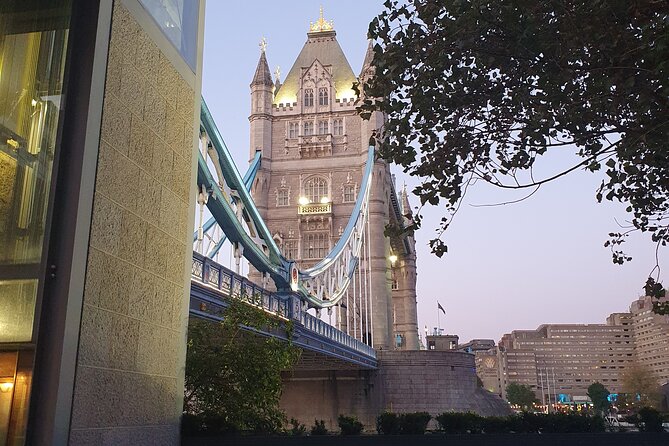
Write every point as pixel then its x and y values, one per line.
pixel 128 381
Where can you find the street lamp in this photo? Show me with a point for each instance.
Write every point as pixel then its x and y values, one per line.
pixel 393 259
pixel 303 201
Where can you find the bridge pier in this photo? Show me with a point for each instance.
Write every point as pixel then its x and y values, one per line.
pixel 405 381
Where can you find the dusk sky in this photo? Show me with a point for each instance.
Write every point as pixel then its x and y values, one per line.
pixel 509 267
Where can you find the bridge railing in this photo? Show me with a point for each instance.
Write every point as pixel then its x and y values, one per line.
pixel 211 273
pixel 288 306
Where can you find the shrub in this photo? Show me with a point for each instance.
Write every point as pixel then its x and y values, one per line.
pixel 650 420
pixel 319 428
pixel 297 429
pixel 498 425
pixel 349 425
pixel 459 422
pixel 388 423
pixel 414 423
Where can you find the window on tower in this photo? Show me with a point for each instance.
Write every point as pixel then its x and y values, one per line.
pixel 293 130
pixel 315 245
pixel 282 197
pixel 290 249
pixel 308 97
pixel 338 127
pixel 349 193
pixel 308 128
pixel 322 127
pixel 322 96
pixel 315 189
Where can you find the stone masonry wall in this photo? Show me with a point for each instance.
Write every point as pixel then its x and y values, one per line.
pixel 406 381
pixel 128 387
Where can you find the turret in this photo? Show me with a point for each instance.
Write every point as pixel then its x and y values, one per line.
pixel 262 94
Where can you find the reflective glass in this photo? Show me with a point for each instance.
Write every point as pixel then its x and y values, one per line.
pixel 33 43
pixel 178 21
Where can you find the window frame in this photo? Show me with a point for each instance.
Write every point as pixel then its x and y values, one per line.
pixel 323 97
pixel 308 97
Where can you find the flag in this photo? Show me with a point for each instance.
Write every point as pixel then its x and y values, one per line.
pixel 439 307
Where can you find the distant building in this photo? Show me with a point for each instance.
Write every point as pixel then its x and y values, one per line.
pixel 487 369
pixel 442 342
pixel 477 345
pixel 651 338
pixel 560 361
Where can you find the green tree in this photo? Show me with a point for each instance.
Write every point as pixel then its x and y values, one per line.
pixel 599 395
pixel 480 90
pixel 641 387
pixel 233 377
pixel 521 395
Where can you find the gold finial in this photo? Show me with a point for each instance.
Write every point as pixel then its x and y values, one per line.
pixel 321 24
pixel 277 73
pixel 263 45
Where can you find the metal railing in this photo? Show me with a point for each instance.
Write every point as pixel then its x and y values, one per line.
pixel 288 306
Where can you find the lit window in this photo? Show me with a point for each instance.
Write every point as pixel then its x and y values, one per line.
pixel 315 245
pixel 290 249
pixel 308 128
pixel 322 127
pixel 282 197
pixel 338 127
pixel 293 130
pixel 349 193
pixel 315 189
pixel 322 96
pixel 308 97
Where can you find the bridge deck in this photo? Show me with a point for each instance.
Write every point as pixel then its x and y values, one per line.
pixel 324 346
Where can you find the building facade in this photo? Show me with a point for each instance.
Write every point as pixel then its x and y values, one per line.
pixel 314 148
pixel 99 118
pixel 651 338
pixel 564 359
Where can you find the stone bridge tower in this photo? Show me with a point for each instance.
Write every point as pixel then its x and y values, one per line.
pixel 314 148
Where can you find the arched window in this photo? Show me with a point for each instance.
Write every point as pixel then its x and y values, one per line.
pixel 322 96
pixel 308 97
pixel 308 128
pixel 315 189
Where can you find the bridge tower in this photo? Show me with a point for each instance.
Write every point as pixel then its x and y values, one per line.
pixel 314 148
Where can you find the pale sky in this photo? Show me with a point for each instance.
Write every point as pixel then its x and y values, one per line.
pixel 508 267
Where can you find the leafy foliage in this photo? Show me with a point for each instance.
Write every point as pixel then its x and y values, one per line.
pixel 526 422
pixel 297 429
pixel 641 388
pixel 319 428
pixel 233 378
pixel 388 423
pixel 480 90
pixel 650 420
pixel 599 396
pixel 349 425
pixel 414 423
pixel 520 395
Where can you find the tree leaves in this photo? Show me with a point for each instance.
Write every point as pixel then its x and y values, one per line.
pixel 233 375
pixel 481 89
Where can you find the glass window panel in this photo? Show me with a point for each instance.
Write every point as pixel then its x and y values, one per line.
pixel 33 46
pixel 178 19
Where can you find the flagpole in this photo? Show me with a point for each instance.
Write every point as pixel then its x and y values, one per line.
pixel 438 321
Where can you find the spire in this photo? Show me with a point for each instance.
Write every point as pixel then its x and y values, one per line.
pixel 369 56
pixel 406 206
pixel 262 75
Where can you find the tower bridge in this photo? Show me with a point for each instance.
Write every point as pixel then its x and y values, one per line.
pixel 107 153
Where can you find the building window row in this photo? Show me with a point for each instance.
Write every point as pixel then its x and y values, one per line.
pixel 322 129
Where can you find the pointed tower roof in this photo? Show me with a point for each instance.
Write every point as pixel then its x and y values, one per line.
pixel 262 75
pixel 406 206
pixel 369 56
pixel 321 45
